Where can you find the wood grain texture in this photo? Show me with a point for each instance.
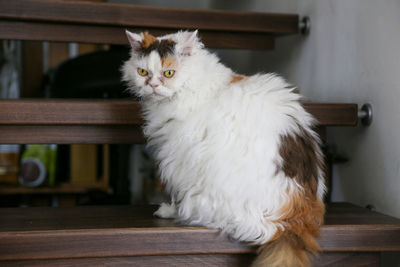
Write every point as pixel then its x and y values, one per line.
pixel 330 114
pixel 127 15
pixel 125 112
pixel 71 134
pixel 79 232
pixel 69 112
pixel 105 23
pixel 102 122
pixel 354 259
pixel 63 189
pixel 220 260
pixel 42 31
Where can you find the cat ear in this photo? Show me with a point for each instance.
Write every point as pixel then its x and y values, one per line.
pixel 187 43
pixel 134 39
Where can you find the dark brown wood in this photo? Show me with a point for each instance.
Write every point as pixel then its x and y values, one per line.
pixel 220 260
pixel 127 15
pixel 126 112
pixel 86 22
pixel 79 232
pixel 71 134
pixel 69 112
pixel 347 214
pixel 333 114
pixel 102 122
pixel 56 190
pixel 354 259
pixel 361 238
pixel 42 31
pixel 70 122
pixel 114 242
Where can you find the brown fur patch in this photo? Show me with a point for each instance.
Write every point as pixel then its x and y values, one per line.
pixel 151 43
pixel 168 62
pixel 236 78
pixel 148 40
pixel 301 158
pixel 165 47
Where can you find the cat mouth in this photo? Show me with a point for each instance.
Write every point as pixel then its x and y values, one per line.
pixel 155 94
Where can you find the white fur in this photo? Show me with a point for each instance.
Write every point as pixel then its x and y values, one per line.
pixel 166 211
pixel 217 143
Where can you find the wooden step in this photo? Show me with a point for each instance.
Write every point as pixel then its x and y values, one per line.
pixel 131 235
pixel 59 121
pixel 62 189
pixel 83 21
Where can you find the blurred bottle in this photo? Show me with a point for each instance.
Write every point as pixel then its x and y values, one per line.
pixel 38 165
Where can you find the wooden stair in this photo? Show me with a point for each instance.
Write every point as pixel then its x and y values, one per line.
pixel 129 235
pixel 86 22
pixel 67 121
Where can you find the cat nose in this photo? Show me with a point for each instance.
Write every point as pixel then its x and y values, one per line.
pixel 153 85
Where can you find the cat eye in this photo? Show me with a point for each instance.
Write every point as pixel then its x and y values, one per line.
pixel 169 73
pixel 142 72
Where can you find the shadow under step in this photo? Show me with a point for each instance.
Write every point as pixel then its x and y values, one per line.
pixel 130 235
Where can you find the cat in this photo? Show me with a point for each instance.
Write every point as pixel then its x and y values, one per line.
pixel 236 152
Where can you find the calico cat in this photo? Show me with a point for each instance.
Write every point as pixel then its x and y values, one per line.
pixel 236 152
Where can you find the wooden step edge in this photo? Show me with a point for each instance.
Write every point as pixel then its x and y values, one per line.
pixel 63 189
pixel 127 113
pixel 333 114
pixel 56 121
pixel 69 112
pixel 368 238
pixel 79 243
pixel 94 34
pixel 195 260
pixel 128 15
pixel 114 242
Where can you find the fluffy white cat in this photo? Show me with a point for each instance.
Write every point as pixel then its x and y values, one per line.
pixel 236 153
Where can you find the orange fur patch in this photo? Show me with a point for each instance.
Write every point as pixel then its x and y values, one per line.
pixel 284 252
pixel 168 62
pixel 302 216
pixel 148 40
pixel 236 78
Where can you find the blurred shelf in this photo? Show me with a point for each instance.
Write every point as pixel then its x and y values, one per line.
pixel 56 190
pixel 31 121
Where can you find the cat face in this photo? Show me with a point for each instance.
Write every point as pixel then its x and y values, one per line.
pixel 155 69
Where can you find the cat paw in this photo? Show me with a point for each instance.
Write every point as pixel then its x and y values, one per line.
pixel 166 211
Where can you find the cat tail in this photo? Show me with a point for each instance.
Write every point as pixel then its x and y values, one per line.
pixel 289 250
pixel 293 246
